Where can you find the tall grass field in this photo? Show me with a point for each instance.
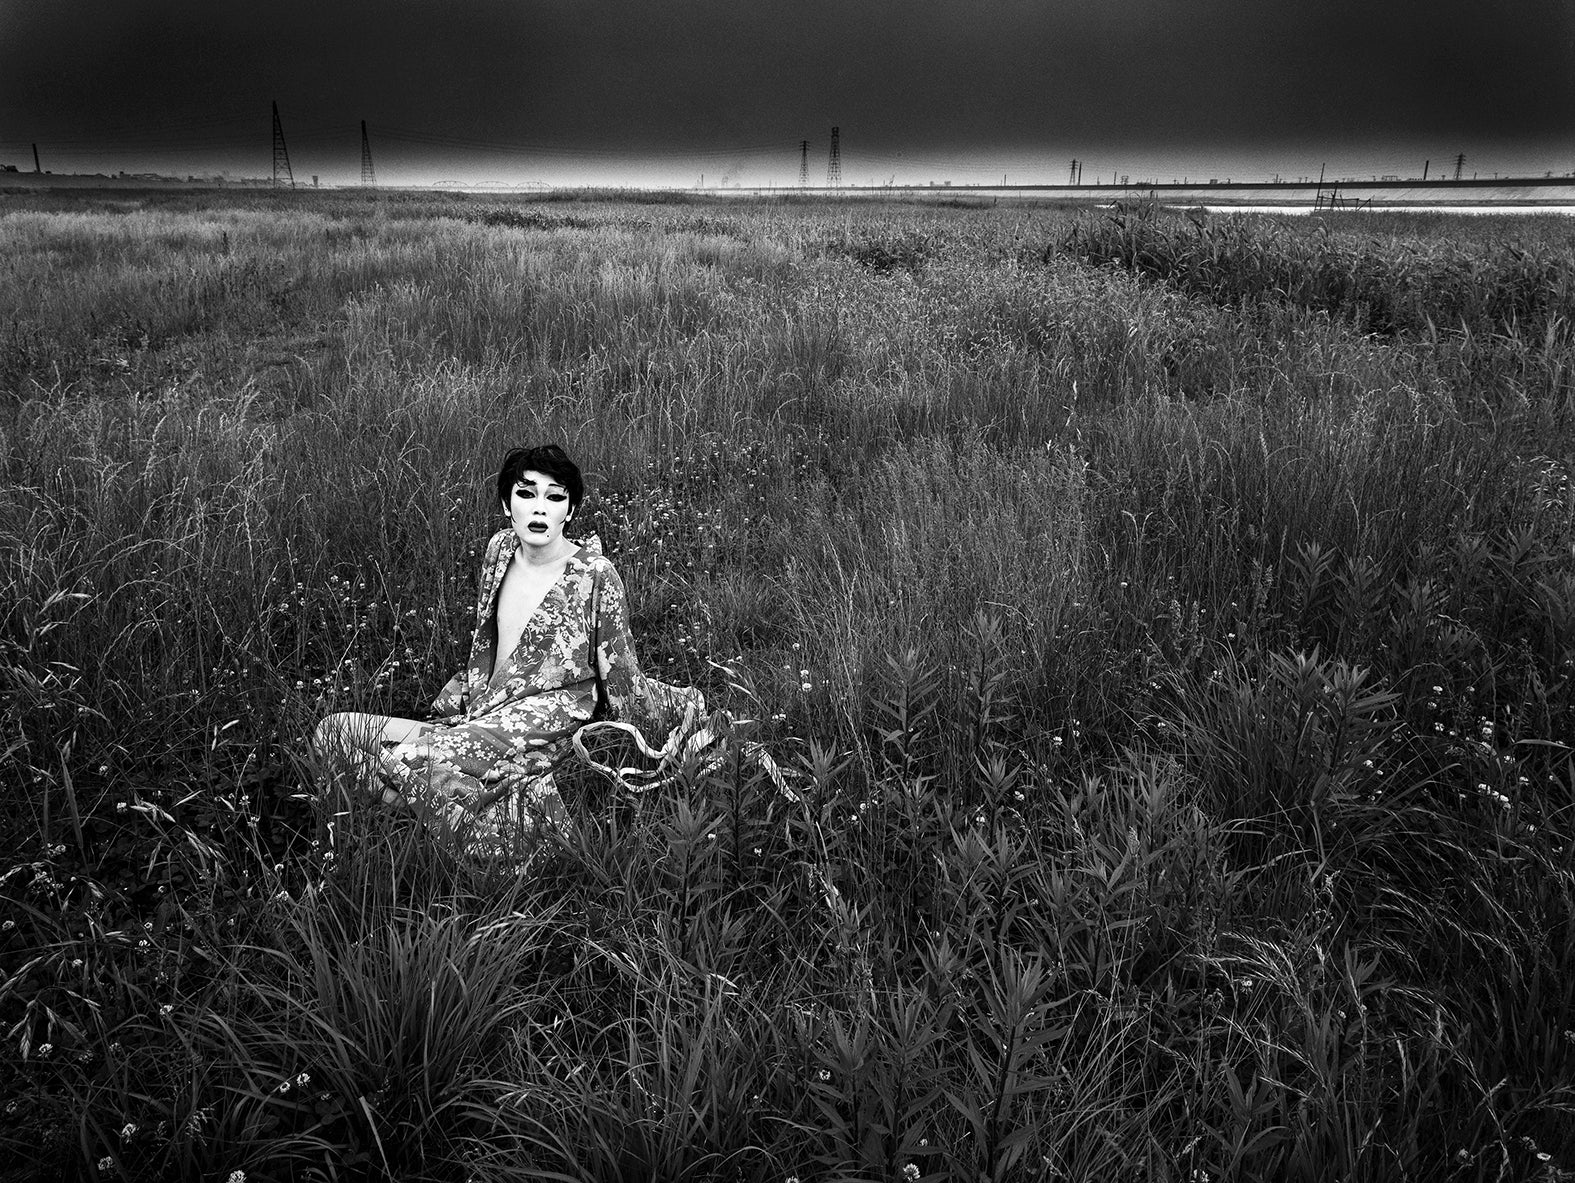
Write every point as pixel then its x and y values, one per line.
pixel 1165 623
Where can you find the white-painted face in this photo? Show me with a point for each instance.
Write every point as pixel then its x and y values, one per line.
pixel 538 508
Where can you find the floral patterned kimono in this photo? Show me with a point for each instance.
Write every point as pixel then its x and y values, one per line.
pixel 483 769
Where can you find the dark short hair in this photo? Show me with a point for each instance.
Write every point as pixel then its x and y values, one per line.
pixel 547 459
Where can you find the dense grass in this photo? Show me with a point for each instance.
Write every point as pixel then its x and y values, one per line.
pixel 1169 624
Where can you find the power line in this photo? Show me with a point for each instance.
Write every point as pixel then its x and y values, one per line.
pixel 175 132
pixel 440 139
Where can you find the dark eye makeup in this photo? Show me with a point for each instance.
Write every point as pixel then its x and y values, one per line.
pixel 530 491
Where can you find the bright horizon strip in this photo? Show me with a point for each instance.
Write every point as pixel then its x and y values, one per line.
pixel 409 156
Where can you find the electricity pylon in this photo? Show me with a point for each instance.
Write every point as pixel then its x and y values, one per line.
pixel 281 154
pixel 368 174
pixel 834 165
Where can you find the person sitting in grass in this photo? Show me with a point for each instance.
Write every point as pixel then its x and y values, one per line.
pixel 551 652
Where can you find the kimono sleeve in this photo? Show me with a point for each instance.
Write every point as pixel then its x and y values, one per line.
pixel 450 702
pixel 628 694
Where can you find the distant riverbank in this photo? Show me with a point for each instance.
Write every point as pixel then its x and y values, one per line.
pixel 1519 194
pixel 1497 193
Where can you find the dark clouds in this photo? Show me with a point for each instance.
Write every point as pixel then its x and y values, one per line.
pixel 943 77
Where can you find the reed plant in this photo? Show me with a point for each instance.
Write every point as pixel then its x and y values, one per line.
pixel 1166 624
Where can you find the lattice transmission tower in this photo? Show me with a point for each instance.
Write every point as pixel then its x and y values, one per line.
pixel 803 164
pixel 281 154
pixel 834 165
pixel 1460 165
pixel 368 173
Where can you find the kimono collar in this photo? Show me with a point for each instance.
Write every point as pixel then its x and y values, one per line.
pixel 589 547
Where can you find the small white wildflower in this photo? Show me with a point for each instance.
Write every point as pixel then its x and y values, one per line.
pixel 129 1130
pixel 303 1080
pixel 911 1173
pixel 284 1086
pixel 823 1075
pixel 166 1010
pixel 44 1050
pixel 106 1162
pixel 236 1177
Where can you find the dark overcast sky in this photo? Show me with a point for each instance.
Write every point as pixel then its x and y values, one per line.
pixel 665 89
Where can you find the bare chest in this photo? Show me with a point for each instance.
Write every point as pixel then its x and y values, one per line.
pixel 524 588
